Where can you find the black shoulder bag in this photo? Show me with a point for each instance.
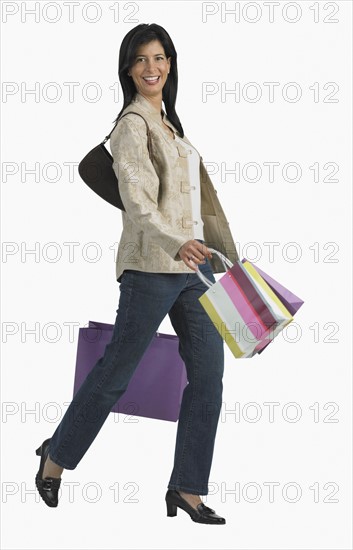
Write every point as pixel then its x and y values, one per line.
pixel 96 169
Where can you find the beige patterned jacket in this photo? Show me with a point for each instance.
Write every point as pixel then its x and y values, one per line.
pixel 156 196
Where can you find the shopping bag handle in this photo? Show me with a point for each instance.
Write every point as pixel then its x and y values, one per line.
pixel 226 262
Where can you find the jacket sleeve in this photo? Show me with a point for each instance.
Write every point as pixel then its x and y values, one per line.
pixel 139 186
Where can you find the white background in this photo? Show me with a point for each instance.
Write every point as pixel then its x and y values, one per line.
pixel 313 452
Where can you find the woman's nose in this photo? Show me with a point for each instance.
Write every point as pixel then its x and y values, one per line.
pixel 150 63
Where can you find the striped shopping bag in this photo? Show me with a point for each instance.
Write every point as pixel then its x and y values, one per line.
pixel 245 310
pixel 288 298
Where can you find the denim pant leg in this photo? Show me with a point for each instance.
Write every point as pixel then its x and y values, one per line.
pixel 145 299
pixel 201 348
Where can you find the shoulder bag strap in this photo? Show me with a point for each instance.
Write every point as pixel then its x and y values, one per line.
pixel 149 139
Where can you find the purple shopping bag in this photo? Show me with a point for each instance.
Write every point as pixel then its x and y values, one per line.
pixel 156 387
pixel 288 298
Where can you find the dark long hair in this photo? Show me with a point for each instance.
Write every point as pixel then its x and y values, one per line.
pixel 143 34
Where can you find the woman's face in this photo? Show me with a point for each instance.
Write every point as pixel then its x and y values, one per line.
pixel 150 69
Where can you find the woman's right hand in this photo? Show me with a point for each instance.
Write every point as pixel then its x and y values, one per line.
pixel 193 253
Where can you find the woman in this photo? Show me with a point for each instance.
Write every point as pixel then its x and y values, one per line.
pixel 166 225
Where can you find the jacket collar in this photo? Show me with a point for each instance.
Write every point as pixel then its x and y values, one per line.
pixel 147 106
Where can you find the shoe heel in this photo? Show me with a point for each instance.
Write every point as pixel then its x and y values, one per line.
pixel 171 509
pixel 39 451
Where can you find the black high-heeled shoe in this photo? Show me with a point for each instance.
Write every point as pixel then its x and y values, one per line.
pixel 48 487
pixel 203 514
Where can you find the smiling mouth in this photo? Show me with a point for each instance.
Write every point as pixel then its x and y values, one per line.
pixel 151 78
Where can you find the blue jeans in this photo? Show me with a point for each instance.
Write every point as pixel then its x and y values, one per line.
pixel 145 299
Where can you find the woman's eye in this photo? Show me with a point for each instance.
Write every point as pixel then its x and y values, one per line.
pixel 143 59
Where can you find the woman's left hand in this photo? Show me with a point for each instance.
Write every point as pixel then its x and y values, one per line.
pixel 193 253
